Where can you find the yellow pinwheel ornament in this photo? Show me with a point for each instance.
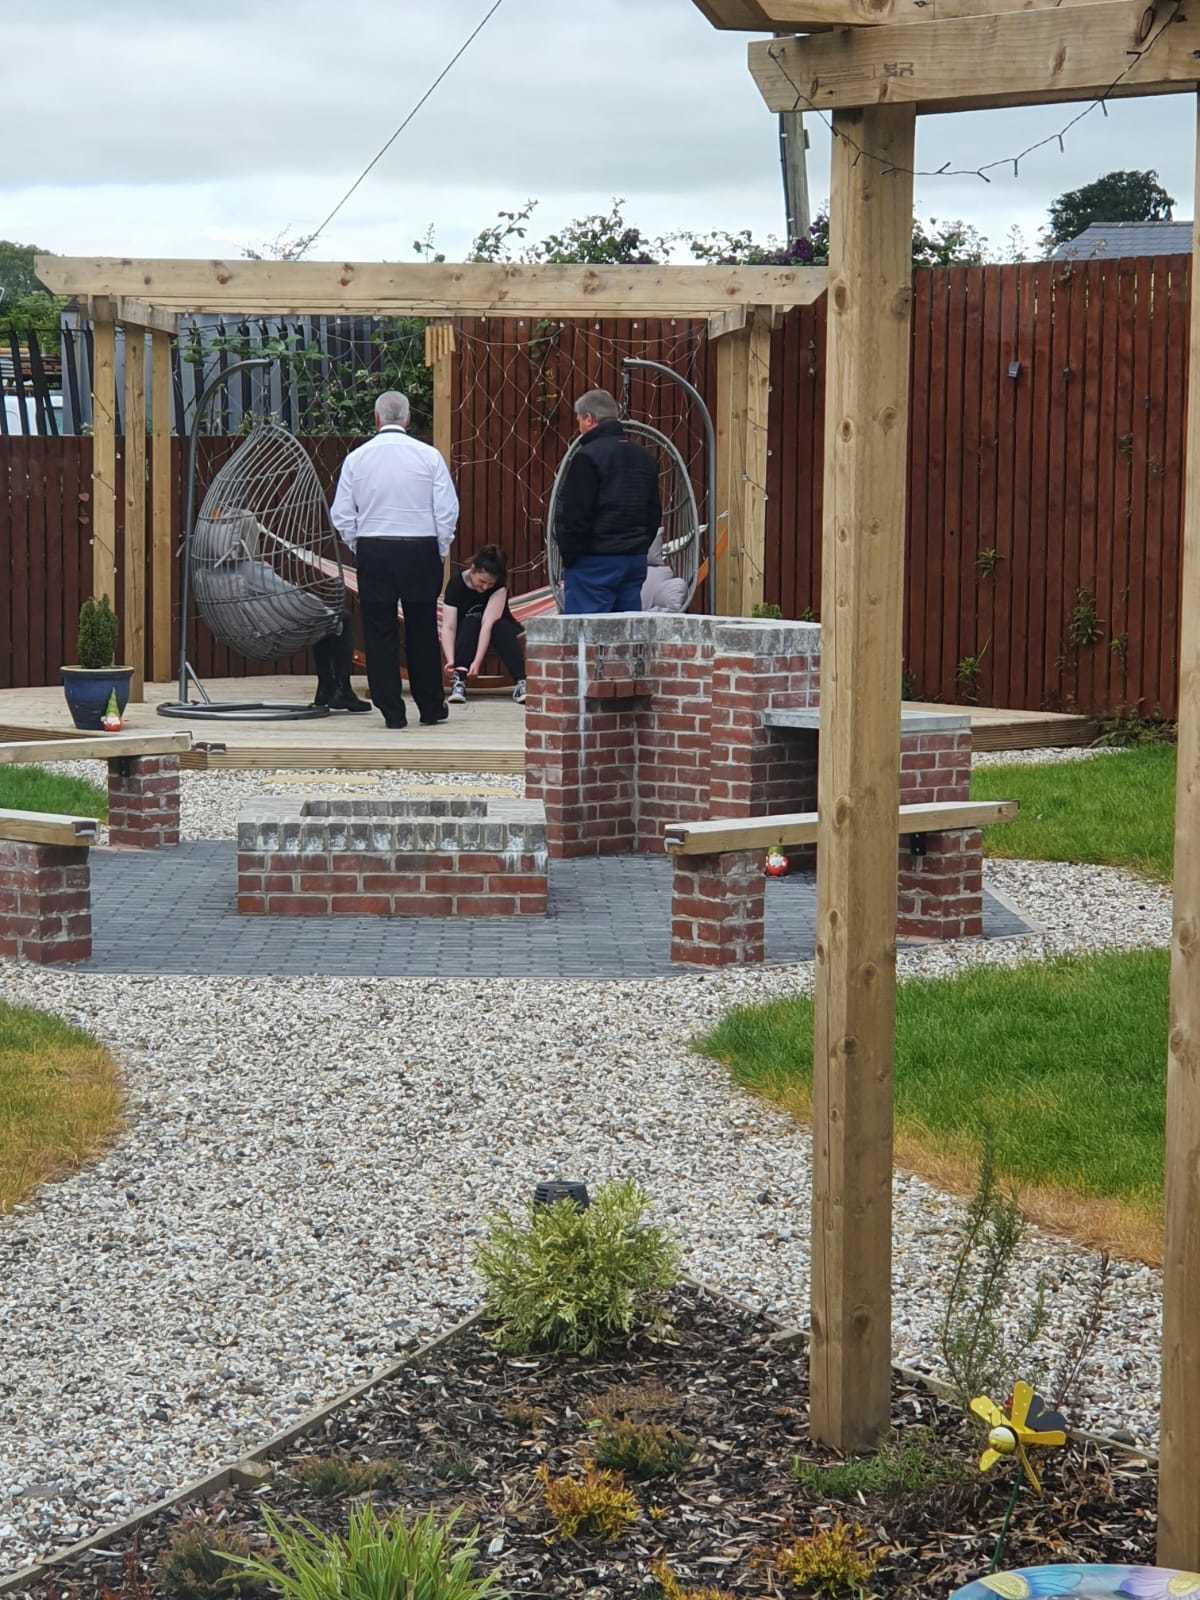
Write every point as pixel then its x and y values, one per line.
pixel 1029 1425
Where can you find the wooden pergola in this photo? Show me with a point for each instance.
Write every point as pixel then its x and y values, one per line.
pixel 873 66
pixel 147 298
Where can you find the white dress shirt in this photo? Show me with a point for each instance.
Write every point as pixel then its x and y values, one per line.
pixel 394 487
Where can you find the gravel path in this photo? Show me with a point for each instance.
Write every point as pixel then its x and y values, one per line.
pixel 308 1165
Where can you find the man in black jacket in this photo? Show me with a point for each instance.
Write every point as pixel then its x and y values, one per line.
pixel 608 514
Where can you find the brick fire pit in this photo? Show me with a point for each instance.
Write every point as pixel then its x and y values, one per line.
pixel 392 858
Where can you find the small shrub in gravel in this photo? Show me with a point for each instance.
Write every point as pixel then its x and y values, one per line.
pixel 670 1588
pixel 376 1558
pixel 906 1466
pixel 598 1505
pixel 196 1565
pixel 641 1450
pixel 576 1280
pixel 829 1561
pixel 335 1478
pixel 633 1402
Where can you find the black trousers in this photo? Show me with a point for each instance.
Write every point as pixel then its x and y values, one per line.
pixel 333 657
pixel 407 572
pixel 506 640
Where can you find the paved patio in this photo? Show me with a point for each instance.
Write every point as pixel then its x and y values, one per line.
pixel 172 912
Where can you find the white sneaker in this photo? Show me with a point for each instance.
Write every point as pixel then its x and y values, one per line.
pixel 458 692
pixel 519 692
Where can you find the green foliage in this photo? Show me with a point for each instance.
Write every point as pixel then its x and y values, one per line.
pixel 947 244
pixel 987 562
pixel 98 634
pixel 37 311
pixel 1083 626
pixel 985 1347
pixel 670 1588
pixel 767 609
pixel 195 1565
pixel 35 789
pixel 603 238
pixel 829 1561
pixel 388 1559
pixel 967 673
pixel 1115 197
pixel 336 1477
pixel 1115 811
pixel 597 1506
pixel 575 1280
pixel 641 1450
pixel 1066 1059
pixel 904 1465
pixel 17 277
pixel 1127 727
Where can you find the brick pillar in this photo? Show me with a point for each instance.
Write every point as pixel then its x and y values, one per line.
pixel 717 905
pixel 756 770
pixel 45 902
pixel 673 736
pixel 581 738
pixel 941 891
pixel 143 802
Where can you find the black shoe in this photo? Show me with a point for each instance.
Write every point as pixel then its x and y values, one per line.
pixel 442 716
pixel 394 722
pixel 346 700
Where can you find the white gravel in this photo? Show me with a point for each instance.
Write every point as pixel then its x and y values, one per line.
pixel 1046 756
pixel 308 1165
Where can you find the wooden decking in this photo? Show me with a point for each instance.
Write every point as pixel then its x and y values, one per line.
pixel 485 735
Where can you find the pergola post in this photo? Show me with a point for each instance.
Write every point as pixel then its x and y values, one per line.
pixel 104 459
pixel 161 530
pixel 439 355
pixel 742 416
pixel 1179 1439
pixel 134 606
pixel 866 431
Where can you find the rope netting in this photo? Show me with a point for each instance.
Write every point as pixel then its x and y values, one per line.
pixel 516 382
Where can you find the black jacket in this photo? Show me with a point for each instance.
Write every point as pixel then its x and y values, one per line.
pixel 608 504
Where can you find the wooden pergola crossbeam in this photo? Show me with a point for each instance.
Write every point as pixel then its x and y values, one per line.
pixel 818 16
pixel 975 63
pixel 297 288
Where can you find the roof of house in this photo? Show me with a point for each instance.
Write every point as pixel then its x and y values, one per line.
pixel 1109 241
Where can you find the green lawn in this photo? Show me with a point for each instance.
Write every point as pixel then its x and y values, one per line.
pixel 1065 1060
pixel 35 789
pixel 60 1100
pixel 1117 810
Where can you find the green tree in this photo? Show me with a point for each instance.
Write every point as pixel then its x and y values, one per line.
pixel 604 238
pixel 17 277
pixel 25 302
pixel 1115 197
pixel 935 244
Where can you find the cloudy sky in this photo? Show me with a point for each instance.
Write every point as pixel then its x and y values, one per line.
pixel 144 127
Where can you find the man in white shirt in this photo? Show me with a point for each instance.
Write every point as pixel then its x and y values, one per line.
pixel 397 510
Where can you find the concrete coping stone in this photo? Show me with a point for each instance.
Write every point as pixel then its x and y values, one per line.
pixel 296 826
pixel 910 721
pixel 729 635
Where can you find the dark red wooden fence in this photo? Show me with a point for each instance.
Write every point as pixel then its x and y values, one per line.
pixel 1045 481
pixel 1045 484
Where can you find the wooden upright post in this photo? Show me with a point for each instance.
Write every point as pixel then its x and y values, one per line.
pixel 104 460
pixel 866 431
pixel 1179 1436
pixel 161 529
pixel 134 605
pixel 439 355
pixel 743 403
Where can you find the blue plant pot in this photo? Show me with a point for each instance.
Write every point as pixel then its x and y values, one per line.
pixel 88 690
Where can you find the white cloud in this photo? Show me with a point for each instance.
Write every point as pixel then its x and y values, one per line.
pixel 175 133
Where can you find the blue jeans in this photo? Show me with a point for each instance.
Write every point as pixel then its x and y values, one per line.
pixel 604 583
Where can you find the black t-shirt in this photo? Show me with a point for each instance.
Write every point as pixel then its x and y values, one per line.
pixel 470 602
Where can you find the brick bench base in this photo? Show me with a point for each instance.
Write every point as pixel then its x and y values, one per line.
pixel 143 802
pixel 45 902
pixel 718 902
pixel 397 858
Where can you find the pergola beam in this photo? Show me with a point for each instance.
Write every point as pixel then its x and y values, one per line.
pixel 297 288
pixel 818 16
pixel 974 63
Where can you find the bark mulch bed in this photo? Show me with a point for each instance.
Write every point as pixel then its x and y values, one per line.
pixel 472 1427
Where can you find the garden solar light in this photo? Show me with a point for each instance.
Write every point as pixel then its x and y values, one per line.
pixel 549 1194
pixel 1031 1425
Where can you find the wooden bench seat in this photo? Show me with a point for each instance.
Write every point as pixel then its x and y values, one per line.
pixel 143 779
pixel 718 893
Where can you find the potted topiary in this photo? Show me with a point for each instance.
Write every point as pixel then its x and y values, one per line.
pixel 95 681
